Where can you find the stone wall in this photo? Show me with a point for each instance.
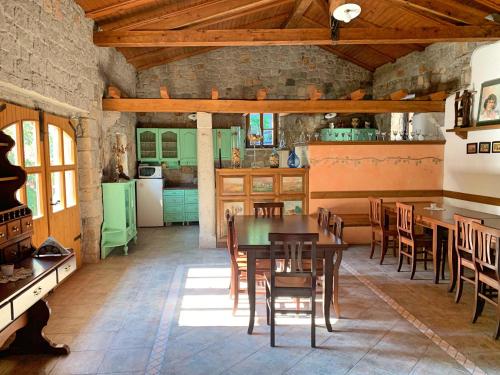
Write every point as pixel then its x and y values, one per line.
pixel 441 66
pixel 48 61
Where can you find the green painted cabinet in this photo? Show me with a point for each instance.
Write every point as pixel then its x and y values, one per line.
pixel 119 220
pixel 147 140
pixel 169 147
pixel 180 205
pixel 224 142
pixel 188 147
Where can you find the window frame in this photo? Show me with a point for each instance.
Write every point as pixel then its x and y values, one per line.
pixel 275 130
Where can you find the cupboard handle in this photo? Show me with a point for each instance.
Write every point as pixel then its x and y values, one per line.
pixel 37 291
pixel 56 203
pixel 29 224
pixel 68 267
pixel 2 235
pixel 15 229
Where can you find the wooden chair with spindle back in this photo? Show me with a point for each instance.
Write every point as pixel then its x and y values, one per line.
pixel 324 216
pixel 238 262
pixel 486 258
pixel 291 279
pixel 381 233
pixel 268 209
pixel 409 239
pixel 338 226
pixel 464 248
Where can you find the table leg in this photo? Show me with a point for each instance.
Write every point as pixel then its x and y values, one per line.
pixel 452 261
pixel 336 284
pixel 327 288
pixel 436 252
pixel 251 264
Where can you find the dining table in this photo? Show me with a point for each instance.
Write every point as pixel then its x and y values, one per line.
pixel 440 220
pixel 253 238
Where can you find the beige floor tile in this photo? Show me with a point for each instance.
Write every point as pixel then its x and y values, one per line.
pixel 86 362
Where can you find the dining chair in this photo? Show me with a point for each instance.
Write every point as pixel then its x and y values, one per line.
pixel 464 250
pixel 486 258
pixel 324 216
pixel 338 226
pixel 238 262
pixel 409 241
pixel 381 233
pixel 268 209
pixel 289 278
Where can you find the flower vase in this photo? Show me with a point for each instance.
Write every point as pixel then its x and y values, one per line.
pixel 293 159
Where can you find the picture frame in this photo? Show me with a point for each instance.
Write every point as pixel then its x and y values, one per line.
pixel 471 148
pixel 495 147
pixel 484 147
pixel 489 103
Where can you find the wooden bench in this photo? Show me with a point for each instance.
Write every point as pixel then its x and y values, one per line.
pixel 355 220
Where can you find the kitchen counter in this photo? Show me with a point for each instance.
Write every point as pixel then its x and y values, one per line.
pixel 181 187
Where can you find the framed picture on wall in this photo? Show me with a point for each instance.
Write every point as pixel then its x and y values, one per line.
pixel 484 147
pixel 472 148
pixel 489 103
pixel 495 147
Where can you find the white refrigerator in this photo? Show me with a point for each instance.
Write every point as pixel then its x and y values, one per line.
pixel 150 202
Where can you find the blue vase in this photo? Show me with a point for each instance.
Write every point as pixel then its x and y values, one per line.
pixel 293 160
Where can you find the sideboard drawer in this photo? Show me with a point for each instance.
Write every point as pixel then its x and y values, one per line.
pixel 5 317
pixel 28 298
pixel 66 269
pixel 13 228
pixel 3 233
pixel 27 224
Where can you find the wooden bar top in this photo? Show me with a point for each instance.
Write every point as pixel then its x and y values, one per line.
pixel 254 232
pixel 377 143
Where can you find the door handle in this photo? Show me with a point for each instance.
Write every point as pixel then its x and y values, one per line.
pixel 55 204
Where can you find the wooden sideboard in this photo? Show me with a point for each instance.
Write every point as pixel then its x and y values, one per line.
pixel 238 189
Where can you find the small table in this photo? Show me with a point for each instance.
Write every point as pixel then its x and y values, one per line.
pixel 443 219
pixel 253 239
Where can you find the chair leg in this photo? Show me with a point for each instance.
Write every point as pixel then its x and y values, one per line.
pixel 372 244
pixel 272 321
pixel 267 304
pixel 460 284
pixel 497 334
pixel 383 247
pixel 394 247
pixel 400 263
pixel 478 302
pixel 413 262
pixel 236 296
pixel 313 322
pixel 443 260
pixel 425 260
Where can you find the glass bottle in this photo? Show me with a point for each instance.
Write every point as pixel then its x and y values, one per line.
pixel 235 147
pixel 293 159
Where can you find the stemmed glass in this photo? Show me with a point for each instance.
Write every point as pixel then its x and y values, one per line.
pixel 419 131
pixel 395 134
pixel 383 135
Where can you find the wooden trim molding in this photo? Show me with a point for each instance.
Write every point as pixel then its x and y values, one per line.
pixel 472 197
pixel 375 193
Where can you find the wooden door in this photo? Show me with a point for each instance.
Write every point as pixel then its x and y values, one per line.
pixel 23 125
pixel 62 182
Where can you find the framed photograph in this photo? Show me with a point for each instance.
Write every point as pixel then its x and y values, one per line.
pixel 489 105
pixel 472 148
pixel 292 184
pixel 262 184
pixel 233 185
pixel 484 147
pixel 495 147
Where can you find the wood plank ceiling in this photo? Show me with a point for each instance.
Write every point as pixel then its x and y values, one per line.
pixel 163 15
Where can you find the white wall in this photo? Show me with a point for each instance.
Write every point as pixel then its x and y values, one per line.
pixel 475 173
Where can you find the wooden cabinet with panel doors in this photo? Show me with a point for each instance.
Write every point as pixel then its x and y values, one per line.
pixel 238 189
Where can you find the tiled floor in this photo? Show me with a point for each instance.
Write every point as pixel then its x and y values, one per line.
pixel 164 309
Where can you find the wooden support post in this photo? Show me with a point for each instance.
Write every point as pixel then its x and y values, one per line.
pixel 435 96
pixel 114 92
pixel 261 94
pixel 398 95
pixel 358 94
pixel 215 93
pixel 164 92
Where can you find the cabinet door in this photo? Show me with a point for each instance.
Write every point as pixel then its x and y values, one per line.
pixel 147 149
pixel 188 146
pixel 168 147
pixel 224 142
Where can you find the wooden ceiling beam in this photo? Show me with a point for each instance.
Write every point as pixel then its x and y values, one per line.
pixel 301 7
pixel 450 10
pixel 269 106
pixel 115 8
pixel 164 92
pixel 172 17
pixel 492 4
pixel 317 36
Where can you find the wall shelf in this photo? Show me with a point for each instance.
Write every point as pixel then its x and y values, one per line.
pixel 463 132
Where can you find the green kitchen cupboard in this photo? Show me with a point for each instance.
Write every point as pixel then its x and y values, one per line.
pixel 188 147
pixel 119 220
pixel 147 140
pixel 224 142
pixel 168 147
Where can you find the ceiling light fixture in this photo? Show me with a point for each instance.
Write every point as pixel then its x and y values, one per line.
pixel 342 11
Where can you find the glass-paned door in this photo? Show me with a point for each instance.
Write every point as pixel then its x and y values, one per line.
pixel 61 174
pixel 23 126
pixel 147 140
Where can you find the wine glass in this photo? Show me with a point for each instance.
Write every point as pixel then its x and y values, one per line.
pixel 419 131
pixel 384 135
pixel 413 135
pixel 394 133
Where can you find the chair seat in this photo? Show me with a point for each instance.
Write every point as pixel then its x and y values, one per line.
pixel 262 265
pixel 289 281
pixel 391 232
pixel 489 277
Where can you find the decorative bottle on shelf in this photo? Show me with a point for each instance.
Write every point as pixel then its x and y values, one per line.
pixel 235 148
pixel 274 159
pixel 293 159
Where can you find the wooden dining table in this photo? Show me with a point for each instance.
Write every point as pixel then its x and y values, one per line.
pixel 253 238
pixel 442 223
